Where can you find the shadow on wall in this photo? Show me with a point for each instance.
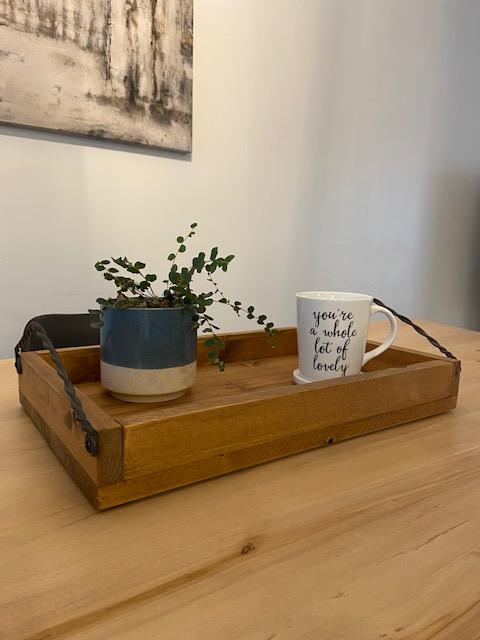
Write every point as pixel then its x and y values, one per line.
pixel 41 229
pixel 449 280
pixel 50 135
pixel 448 269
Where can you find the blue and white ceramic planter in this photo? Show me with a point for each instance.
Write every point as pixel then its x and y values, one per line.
pixel 147 355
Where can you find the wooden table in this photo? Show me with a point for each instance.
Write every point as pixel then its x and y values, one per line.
pixel 375 538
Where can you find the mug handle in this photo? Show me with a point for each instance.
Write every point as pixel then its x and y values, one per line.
pixel 393 332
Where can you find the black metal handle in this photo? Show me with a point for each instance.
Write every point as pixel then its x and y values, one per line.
pixel 418 329
pixel 91 434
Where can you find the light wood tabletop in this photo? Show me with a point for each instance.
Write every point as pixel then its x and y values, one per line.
pixel 377 538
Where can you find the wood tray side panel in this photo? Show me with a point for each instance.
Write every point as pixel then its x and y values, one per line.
pixel 398 357
pixel 254 345
pixel 81 478
pixel 83 363
pixel 223 463
pixel 43 390
pixel 251 345
pixel 162 444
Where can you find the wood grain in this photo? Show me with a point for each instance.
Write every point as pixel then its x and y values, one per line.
pixel 263 417
pixel 82 363
pixel 376 538
pixel 44 399
pixel 249 414
pixel 243 456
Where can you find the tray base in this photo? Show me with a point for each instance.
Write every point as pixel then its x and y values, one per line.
pixel 212 389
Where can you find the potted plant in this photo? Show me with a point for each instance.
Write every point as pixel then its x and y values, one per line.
pixel 148 340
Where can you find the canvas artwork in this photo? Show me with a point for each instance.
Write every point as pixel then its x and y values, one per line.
pixel 116 69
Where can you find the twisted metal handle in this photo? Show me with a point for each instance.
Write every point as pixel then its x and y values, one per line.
pixel 91 435
pixel 418 329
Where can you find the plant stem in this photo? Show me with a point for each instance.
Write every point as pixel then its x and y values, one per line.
pixel 152 292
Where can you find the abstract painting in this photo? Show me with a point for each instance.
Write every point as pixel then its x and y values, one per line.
pixel 116 69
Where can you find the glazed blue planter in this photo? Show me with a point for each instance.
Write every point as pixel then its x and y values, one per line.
pixel 147 355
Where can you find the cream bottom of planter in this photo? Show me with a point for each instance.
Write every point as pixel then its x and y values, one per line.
pixel 147 385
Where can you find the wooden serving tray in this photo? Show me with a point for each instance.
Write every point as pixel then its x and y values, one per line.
pixel 248 414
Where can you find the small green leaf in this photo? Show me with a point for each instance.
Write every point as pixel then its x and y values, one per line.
pixel 150 277
pixel 251 309
pixel 108 276
pixel 180 239
pixel 102 301
pixel 140 265
pixel 199 262
pixel 99 267
pixel 113 270
pixel 193 225
pixel 214 253
pixel 171 257
pixel 182 248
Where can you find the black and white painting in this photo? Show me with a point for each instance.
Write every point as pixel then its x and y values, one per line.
pixel 117 69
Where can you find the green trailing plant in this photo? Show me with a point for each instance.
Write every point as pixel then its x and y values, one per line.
pixel 135 289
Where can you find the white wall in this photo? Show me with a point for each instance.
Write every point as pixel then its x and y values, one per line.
pixel 399 156
pixel 336 145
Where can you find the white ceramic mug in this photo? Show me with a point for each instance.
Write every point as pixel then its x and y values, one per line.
pixel 332 332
